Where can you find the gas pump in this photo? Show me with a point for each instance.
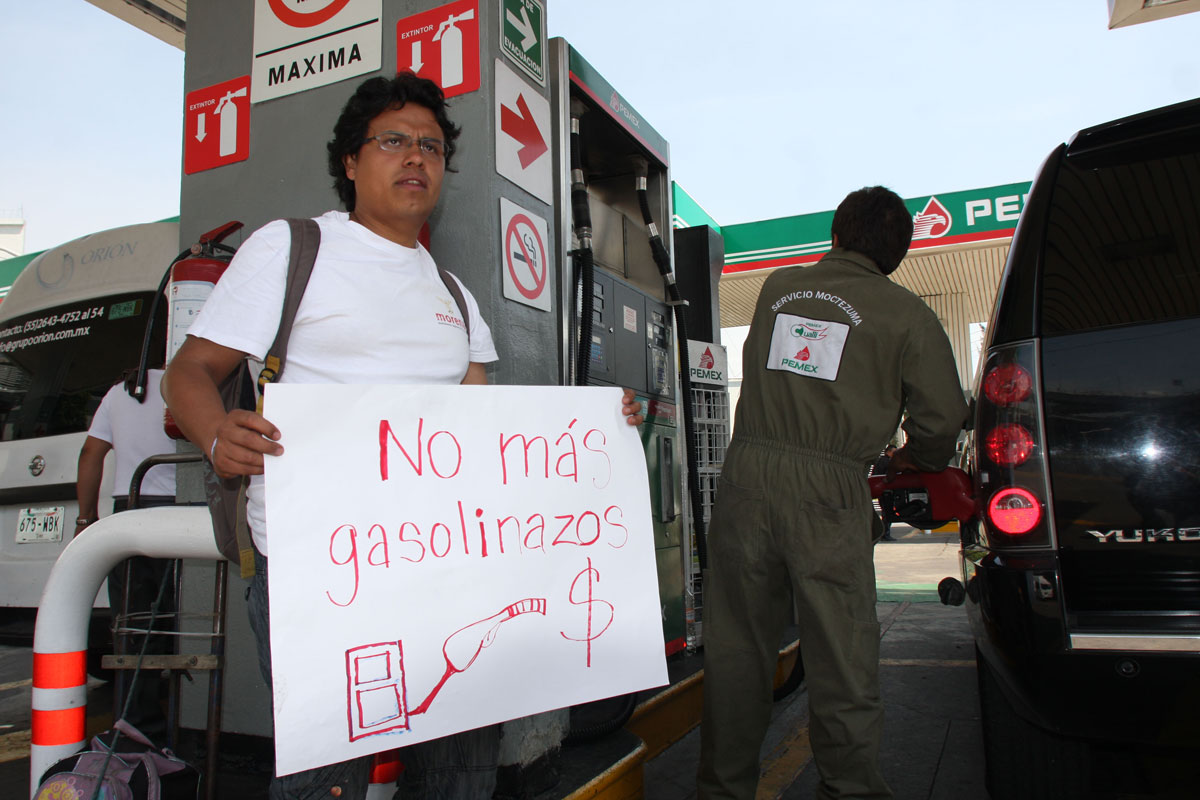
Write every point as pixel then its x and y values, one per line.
pixel 634 339
pixel 616 309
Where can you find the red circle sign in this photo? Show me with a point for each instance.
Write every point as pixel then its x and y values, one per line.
pixel 306 19
pixel 525 241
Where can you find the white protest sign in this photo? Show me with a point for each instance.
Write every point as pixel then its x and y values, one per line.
pixel 446 557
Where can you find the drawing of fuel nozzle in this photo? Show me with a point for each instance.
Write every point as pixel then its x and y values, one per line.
pixel 451 38
pixel 462 647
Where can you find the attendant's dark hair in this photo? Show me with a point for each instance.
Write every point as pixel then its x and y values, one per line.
pixel 373 97
pixel 875 222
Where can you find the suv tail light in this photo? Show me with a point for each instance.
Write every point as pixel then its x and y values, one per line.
pixel 1014 511
pixel 1010 465
pixel 1006 384
pixel 1008 445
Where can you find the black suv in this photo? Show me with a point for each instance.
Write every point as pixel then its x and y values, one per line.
pixel 1082 570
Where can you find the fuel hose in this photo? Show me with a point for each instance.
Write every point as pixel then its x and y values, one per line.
pixel 589 720
pixel 581 217
pixel 662 260
pixel 139 391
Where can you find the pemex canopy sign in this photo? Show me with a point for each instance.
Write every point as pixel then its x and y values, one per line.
pixel 303 45
pixel 975 215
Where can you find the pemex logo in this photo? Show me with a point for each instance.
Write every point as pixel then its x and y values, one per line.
pixel 803 355
pixel 706 360
pixel 619 108
pixel 933 222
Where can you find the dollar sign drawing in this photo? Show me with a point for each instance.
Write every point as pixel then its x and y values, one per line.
pixel 589 601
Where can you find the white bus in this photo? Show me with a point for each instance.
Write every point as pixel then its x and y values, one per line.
pixel 73 320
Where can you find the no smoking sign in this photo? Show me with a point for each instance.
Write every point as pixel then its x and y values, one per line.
pixel 526 269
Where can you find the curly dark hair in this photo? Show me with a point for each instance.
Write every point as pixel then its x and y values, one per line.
pixel 875 222
pixel 373 97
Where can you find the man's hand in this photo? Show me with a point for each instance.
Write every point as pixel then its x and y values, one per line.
pixel 243 438
pixel 631 408
pixel 901 462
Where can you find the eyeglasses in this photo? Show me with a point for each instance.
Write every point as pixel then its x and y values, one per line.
pixel 397 142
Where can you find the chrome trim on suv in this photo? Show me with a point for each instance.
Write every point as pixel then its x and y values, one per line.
pixel 1148 643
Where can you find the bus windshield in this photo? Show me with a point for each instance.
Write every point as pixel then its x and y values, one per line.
pixel 56 364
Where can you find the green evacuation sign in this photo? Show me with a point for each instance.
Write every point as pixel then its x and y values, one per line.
pixel 523 36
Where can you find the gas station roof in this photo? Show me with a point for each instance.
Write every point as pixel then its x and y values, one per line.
pixel 1130 12
pixel 167 19
pixel 959 258
pixel 969 272
pixel 162 19
pixel 960 243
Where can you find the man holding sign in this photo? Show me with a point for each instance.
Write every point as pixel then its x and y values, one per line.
pixel 376 312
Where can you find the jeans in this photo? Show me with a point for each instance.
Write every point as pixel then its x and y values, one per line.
pixel 458 767
pixel 310 784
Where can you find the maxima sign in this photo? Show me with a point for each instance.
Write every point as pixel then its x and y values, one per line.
pixel 303 46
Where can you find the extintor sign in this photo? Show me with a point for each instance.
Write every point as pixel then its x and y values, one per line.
pixel 217 125
pixel 442 45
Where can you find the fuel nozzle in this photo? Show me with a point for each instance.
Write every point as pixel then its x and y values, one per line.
pixel 581 219
pixel 580 213
pixel 578 108
pixel 641 171
pixel 662 258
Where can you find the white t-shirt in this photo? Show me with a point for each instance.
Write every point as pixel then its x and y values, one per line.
pixel 374 312
pixel 135 430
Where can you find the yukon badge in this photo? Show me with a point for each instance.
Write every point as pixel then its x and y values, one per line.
pixel 1137 535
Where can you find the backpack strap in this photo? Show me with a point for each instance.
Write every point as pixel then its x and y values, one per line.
pixel 306 241
pixel 456 293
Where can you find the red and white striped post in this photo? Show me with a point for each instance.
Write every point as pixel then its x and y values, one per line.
pixel 385 769
pixel 60 637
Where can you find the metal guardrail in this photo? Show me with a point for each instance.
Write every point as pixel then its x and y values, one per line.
pixel 61 634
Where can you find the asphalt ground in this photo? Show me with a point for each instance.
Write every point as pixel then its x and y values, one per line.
pixel 932 740
pixel 927 682
pixel 932 744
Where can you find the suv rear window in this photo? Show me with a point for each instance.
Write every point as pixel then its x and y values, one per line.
pixel 1122 244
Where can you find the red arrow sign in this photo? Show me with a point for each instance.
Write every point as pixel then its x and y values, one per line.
pixel 521 126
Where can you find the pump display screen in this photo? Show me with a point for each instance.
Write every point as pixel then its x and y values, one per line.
pixel 56 364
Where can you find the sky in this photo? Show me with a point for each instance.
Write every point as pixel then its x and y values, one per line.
pixel 771 107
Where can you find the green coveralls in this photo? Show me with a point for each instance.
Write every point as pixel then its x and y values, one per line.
pixel 836 351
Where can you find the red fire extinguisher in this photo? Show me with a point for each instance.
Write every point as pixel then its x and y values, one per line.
pixel 189 281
